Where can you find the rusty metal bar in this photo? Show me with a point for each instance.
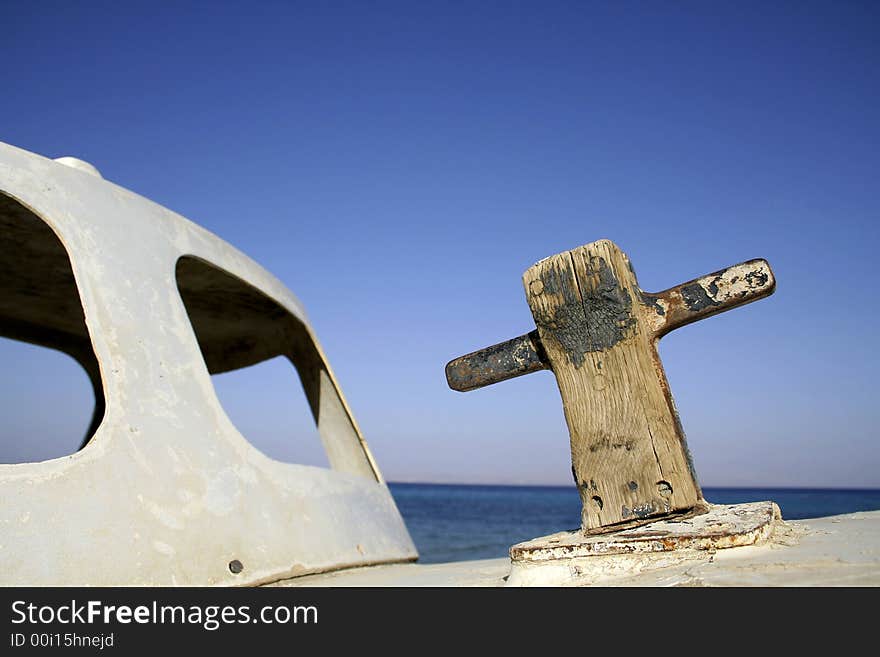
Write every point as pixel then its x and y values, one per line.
pixel 709 295
pixel 505 360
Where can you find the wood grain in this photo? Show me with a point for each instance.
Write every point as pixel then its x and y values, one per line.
pixel 629 455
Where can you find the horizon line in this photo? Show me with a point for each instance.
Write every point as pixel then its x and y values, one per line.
pixel 722 487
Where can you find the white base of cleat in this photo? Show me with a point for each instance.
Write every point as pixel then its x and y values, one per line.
pixel 577 559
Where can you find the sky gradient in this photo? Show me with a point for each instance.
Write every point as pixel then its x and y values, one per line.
pixel 400 165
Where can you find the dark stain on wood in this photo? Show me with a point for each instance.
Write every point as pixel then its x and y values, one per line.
pixel 594 314
pixel 608 443
pixel 639 511
pixel 607 306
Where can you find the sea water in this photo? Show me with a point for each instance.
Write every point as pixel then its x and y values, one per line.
pixel 455 522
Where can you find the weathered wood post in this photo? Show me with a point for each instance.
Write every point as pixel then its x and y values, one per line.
pixel 597 331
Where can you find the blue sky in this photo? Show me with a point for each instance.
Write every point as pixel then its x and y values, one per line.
pixel 399 165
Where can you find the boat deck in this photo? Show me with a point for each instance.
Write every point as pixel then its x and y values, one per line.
pixel 834 551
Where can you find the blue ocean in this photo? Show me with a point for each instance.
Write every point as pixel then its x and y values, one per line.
pixel 454 522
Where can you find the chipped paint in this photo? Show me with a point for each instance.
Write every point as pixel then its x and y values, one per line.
pixel 500 362
pixel 708 295
pixel 721 526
